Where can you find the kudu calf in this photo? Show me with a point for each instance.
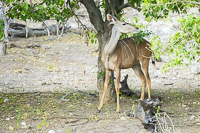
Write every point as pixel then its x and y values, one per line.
pixel 122 54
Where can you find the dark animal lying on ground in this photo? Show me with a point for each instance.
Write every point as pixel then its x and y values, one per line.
pixel 126 90
pixel 146 112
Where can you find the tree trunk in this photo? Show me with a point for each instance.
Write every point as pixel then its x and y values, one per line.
pixel 4 40
pixel 102 34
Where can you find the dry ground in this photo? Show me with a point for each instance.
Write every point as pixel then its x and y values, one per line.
pixel 35 78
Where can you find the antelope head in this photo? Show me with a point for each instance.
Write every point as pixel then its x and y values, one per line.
pixel 121 26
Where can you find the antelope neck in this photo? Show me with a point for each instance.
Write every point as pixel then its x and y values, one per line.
pixel 112 43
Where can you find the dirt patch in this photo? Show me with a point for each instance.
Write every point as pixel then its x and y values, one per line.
pixel 52 66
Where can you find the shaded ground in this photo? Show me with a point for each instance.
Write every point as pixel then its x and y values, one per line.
pixel 43 112
pixel 49 69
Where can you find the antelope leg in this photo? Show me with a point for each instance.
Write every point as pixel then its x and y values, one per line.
pixel 138 71
pixel 107 78
pixel 117 88
pixel 145 65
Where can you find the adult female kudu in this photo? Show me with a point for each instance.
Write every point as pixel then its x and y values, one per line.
pixel 122 54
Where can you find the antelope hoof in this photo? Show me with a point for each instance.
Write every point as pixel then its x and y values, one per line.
pixel 98 111
pixel 117 111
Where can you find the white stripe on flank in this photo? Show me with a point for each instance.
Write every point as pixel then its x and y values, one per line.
pixel 131 45
pixel 134 42
pixel 123 47
pixel 128 47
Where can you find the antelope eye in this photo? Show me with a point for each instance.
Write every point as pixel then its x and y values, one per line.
pixel 124 24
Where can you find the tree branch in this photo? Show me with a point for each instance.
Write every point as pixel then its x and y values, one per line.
pixel 107 6
pixel 128 5
pixel 94 14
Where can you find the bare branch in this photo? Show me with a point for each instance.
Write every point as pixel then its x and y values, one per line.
pixel 128 5
pixel 94 14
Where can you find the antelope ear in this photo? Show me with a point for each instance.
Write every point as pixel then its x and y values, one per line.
pixel 111 19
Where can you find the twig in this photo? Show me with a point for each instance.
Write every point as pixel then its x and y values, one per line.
pixel 62 30
pixel 164 125
pixel 48 30
pixel 84 27
pixel 170 121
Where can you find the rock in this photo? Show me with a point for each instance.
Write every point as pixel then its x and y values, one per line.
pixel 46 83
pixel 11 128
pixel 24 126
pixel 183 106
pixel 52 131
pixel 6 100
pixel 92 71
pixel 89 104
pixel 7 119
pixel 130 114
pixel 168 84
pixel 123 118
pixel 192 117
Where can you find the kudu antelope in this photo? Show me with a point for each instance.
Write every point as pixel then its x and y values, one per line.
pixel 122 54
